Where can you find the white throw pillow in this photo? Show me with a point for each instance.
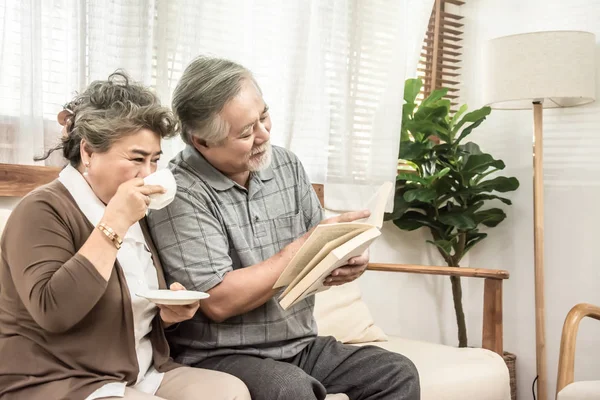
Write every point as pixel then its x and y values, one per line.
pixel 340 312
pixel 4 214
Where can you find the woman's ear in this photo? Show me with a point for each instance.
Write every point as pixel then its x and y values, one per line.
pixel 85 152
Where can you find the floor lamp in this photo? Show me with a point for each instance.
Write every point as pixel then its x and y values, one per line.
pixel 540 70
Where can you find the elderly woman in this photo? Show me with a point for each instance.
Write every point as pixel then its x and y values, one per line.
pixel 75 253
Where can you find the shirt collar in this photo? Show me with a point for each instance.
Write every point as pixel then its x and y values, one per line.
pixel 213 176
pixel 89 204
pixel 266 174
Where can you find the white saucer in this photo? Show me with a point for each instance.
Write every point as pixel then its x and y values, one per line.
pixel 173 297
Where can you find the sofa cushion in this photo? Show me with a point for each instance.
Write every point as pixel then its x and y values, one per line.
pixel 338 396
pixel 582 390
pixel 340 312
pixel 451 373
pixel 3 218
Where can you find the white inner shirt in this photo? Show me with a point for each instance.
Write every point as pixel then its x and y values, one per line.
pixel 140 274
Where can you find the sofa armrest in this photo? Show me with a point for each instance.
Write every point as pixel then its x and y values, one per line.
pixel 18 180
pixel 451 271
pixel 492 329
pixel 566 360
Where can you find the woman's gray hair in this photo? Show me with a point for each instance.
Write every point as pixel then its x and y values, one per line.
pixel 206 85
pixel 108 111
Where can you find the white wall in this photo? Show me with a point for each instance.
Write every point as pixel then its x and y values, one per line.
pixel 420 307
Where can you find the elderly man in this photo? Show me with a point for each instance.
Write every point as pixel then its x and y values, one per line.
pixel 243 209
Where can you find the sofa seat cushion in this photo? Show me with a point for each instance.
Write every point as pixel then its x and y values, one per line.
pixel 338 396
pixel 582 390
pixel 451 373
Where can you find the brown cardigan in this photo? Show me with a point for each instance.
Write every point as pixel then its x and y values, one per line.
pixel 64 330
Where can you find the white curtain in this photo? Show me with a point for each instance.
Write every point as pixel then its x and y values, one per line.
pixel 332 71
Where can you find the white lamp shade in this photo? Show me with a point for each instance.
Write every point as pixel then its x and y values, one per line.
pixel 555 68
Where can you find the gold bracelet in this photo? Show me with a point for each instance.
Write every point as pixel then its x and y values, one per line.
pixel 112 235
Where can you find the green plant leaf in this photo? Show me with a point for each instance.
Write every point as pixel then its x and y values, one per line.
pixel 434 97
pixel 443 186
pixel 432 120
pixel 472 239
pixel 440 174
pixel 412 220
pixel 444 245
pixel 473 116
pixel 425 128
pixel 490 218
pixel 500 184
pixel 457 115
pixel 425 195
pixel 458 219
pixel 479 163
pixel 484 196
pixel 404 176
pixel 474 207
pixel 408 166
pixel 469 149
pixel 407 110
pixel 467 131
pixel 412 150
pixel 412 87
pixel 442 148
pixel 434 112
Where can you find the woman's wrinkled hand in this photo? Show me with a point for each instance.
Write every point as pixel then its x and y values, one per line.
pixel 171 314
pixel 129 204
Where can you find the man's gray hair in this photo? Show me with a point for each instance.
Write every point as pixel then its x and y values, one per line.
pixel 206 85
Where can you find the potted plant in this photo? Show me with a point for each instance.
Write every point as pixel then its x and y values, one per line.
pixel 446 184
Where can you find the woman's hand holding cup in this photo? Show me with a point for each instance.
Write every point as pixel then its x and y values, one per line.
pixel 129 204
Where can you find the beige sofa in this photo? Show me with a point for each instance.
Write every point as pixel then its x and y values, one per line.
pixel 447 373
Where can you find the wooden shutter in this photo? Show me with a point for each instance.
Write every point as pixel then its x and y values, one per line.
pixel 441 54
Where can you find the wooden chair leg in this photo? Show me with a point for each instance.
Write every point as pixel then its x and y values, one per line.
pixel 492 315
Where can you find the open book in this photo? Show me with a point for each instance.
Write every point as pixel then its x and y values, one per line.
pixel 328 247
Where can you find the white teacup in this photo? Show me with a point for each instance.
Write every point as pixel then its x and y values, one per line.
pixel 164 178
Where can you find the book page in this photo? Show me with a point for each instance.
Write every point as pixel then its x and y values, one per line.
pixel 326 233
pixel 377 204
pixel 316 241
pixel 313 281
pixel 320 256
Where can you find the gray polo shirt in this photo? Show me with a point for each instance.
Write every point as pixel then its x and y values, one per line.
pixel 215 226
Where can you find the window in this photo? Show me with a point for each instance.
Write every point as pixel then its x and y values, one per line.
pixel 332 71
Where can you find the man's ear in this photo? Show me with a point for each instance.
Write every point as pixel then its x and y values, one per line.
pixel 199 143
